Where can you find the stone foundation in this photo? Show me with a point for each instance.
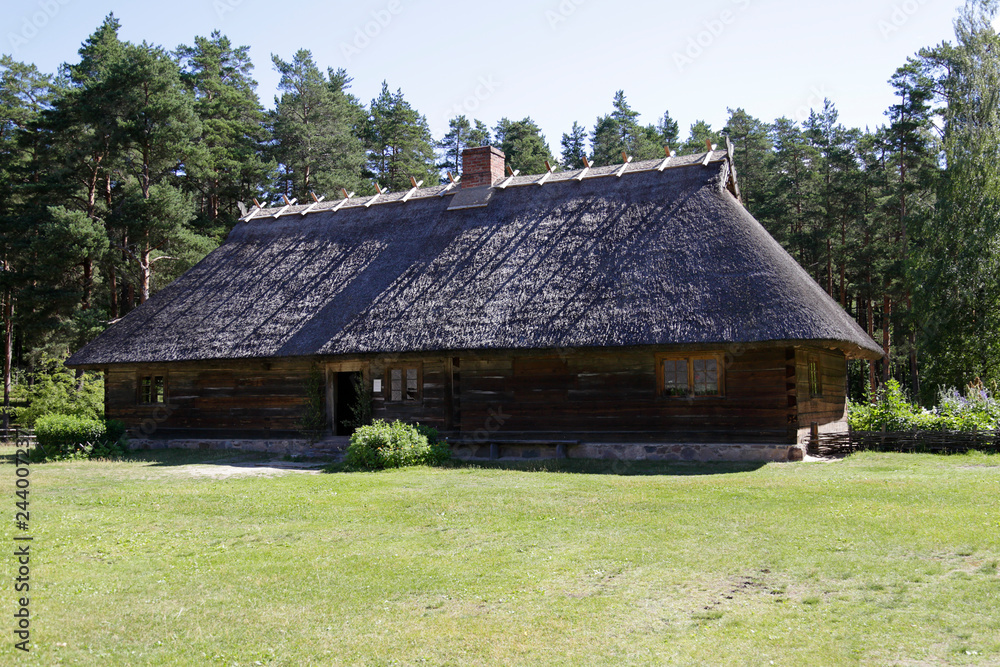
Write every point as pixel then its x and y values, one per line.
pixel 513 451
pixel 693 452
pixel 322 448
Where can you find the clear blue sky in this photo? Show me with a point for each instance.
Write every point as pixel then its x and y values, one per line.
pixel 555 60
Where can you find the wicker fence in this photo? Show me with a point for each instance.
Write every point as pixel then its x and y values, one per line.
pixel 928 442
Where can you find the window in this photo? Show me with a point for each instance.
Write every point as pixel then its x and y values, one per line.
pixel 694 376
pixel 815 381
pixel 152 389
pixel 675 377
pixel 706 377
pixel 404 384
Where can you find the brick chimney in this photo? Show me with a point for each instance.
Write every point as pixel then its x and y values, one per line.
pixel 482 166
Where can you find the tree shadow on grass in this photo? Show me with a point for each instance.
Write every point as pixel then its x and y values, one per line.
pixel 183 457
pixel 594 467
pixel 620 468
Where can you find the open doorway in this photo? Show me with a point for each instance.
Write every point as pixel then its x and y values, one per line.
pixel 345 390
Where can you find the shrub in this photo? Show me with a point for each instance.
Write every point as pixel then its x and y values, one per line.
pixel 976 410
pixel 55 390
pixel 313 422
pixel 382 445
pixel 63 436
pixel 439 449
pixel 891 411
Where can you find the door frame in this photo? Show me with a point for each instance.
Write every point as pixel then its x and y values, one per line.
pixel 332 368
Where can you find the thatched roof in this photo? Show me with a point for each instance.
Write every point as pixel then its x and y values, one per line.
pixel 647 257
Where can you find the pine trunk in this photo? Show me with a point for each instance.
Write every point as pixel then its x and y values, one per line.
pixel 145 268
pixel 829 268
pixel 113 290
pixel 8 353
pixel 872 382
pixel 886 318
pixel 144 271
pixel 843 264
pixel 914 370
pixel 88 281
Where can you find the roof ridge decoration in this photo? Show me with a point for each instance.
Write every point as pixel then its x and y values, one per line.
pixel 627 160
pixel 548 173
pixel 511 175
pixel 666 160
pixel 514 179
pixel 316 202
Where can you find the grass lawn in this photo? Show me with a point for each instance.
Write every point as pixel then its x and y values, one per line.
pixel 876 560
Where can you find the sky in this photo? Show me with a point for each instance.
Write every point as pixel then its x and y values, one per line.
pixel 557 61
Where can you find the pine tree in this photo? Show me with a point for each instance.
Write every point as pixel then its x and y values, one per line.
pixel 790 207
pixel 752 155
pixel 619 132
pixel 81 162
pixel 461 135
pixel 218 75
pixel 913 179
pixel 607 142
pixel 155 139
pixel 316 126
pixel 957 297
pixel 574 147
pixel 399 142
pixel 524 145
pixel 668 130
pixel 24 94
pixel 699 134
pixel 835 165
pixel 874 254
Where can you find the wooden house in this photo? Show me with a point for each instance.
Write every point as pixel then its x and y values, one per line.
pixel 633 311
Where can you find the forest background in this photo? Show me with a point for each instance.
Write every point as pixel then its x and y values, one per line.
pixel 121 170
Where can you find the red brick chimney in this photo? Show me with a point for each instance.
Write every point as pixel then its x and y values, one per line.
pixel 482 166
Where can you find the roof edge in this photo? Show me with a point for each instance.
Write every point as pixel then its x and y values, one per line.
pixel 851 351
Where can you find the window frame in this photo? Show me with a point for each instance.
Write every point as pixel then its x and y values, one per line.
pixel 142 398
pixel 403 368
pixel 689 358
pixel 815 381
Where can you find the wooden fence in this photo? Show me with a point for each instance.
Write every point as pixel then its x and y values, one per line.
pixel 16 434
pixel 925 442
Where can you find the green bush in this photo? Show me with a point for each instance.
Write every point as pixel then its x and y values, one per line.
pixel 55 390
pixel 439 449
pixel 64 436
pixel 313 422
pixel 382 445
pixel 891 411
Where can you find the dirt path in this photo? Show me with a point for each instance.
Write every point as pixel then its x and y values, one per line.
pixel 224 470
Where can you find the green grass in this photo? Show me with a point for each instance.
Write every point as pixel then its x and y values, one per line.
pixel 876 560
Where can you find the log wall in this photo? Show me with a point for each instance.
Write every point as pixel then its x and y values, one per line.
pixel 230 399
pixel 574 394
pixel 828 409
